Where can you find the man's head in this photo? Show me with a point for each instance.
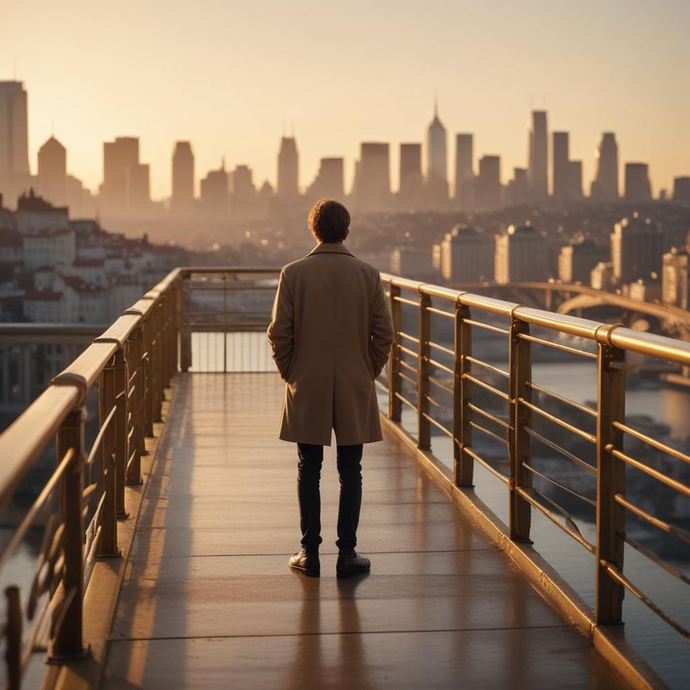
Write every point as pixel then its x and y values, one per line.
pixel 329 221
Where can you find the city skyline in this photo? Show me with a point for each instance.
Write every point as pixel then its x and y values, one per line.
pixel 238 113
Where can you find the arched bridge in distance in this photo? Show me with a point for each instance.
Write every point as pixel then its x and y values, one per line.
pixel 162 532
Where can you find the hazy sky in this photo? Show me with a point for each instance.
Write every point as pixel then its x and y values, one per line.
pixel 226 75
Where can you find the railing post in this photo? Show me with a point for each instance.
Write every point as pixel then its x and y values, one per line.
pixel 177 320
pixel 157 362
pixel 610 479
pixel 185 331
pixel 135 435
pixel 68 640
pixel 147 331
pixel 106 402
pixel 394 378
pixel 119 375
pixel 462 395
pixel 423 424
pixel 13 638
pixel 519 446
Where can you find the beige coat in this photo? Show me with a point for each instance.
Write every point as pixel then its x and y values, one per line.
pixel 330 334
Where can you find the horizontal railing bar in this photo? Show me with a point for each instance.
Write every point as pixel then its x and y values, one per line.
pixel 559 449
pixel 441 312
pixel 99 437
pixel 655 559
pixel 405 400
pixel 438 404
pixel 36 506
pixel 560 398
pixel 438 364
pixel 404 300
pixel 443 386
pixel 402 334
pixel 484 413
pixel 488 432
pixel 478 458
pixel 536 472
pixel 652 442
pixel 486 326
pixel 228 324
pixel 188 271
pixel 216 287
pixel 649 471
pixel 552 418
pixel 406 350
pixel 490 367
pixel 557 346
pixel 491 389
pixel 407 366
pixel 618 576
pixel 441 348
pixel 407 378
pixel 438 424
pixel 681 534
pixel 547 513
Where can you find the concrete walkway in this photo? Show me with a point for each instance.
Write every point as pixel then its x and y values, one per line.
pixel 209 602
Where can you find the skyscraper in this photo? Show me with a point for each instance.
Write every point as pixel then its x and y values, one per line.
pixel 119 157
pixel 373 185
pixel 575 192
pixel 637 186
pixel 537 167
pixel 411 183
pixel 14 141
pixel 464 171
pixel 182 200
pixel 214 193
pixel 488 184
pixel 330 180
pixel 560 171
pixel 288 169
pixel 437 161
pixel 605 184
pixel 52 172
pixel 243 192
pixel 681 190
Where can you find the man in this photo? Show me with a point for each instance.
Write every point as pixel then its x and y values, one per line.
pixel 330 333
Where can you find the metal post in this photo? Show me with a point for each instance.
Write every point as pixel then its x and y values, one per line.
pixel 394 378
pixel 423 424
pixel 13 638
pixel 519 446
pixel 185 330
pixel 107 394
pixel 119 371
pixel 462 396
pixel 148 375
pixel 157 363
pixel 135 395
pixel 177 316
pixel 610 481
pixel 68 640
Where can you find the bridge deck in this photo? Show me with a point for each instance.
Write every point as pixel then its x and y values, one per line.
pixel 208 600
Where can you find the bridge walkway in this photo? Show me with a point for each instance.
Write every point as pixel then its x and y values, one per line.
pixel 209 602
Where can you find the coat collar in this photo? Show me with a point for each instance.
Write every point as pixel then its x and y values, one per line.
pixel 330 248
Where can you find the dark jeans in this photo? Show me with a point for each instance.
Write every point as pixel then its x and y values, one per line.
pixel 309 494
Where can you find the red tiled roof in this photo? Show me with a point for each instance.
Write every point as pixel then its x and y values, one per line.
pixel 43 295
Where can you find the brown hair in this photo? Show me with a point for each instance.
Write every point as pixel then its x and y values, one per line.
pixel 329 221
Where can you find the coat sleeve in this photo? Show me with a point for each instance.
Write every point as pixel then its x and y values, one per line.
pixel 280 330
pixel 381 329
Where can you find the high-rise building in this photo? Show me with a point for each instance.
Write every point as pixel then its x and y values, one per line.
pixel 675 286
pixel 560 171
pixel 373 185
pixel 537 166
pixel 487 187
pixel 467 256
pixel 577 260
pixel 122 182
pixel 138 190
pixel 605 184
pixel 464 171
pixel 521 256
pixel 517 191
pixel 636 248
pixel 411 184
pixel 681 190
pixel 14 141
pixel 575 192
pixel 242 192
pixel 288 169
pixel 437 162
pixel 182 200
pixel 214 194
pixel 52 172
pixel 637 186
pixel 329 182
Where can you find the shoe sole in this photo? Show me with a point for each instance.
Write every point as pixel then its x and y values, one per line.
pixel 306 571
pixel 350 573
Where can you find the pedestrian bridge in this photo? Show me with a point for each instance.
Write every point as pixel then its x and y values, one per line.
pixel 165 529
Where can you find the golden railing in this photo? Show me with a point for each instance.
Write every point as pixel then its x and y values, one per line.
pixel 134 360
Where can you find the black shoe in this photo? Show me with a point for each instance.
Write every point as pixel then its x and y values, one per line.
pixel 350 564
pixel 307 563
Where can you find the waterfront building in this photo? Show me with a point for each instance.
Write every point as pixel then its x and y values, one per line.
pixel 467 256
pixel 521 256
pixel 675 286
pixel 577 260
pixel 636 250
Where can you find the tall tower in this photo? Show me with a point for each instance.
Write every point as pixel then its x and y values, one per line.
pixel 637 186
pixel 373 182
pixel 560 170
pixel 537 167
pixel 437 161
pixel 464 171
pixel 182 200
pixel 125 191
pixel 52 172
pixel 411 184
pixel 288 169
pixel 488 183
pixel 605 184
pixel 14 140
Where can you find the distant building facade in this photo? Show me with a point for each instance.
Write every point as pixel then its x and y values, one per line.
pixel 521 256
pixel 52 172
pixel 637 186
pixel 487 188
pixel 411 179
pixel 288 169
pixel 577 260
pixel 14 140
pixel 605 184
pixel 372 179
pixel 675 286
pixel 467 256
pixel 636 250
pixel 182 200
pixel 437 163
pixel 537 167
pixel 464 171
